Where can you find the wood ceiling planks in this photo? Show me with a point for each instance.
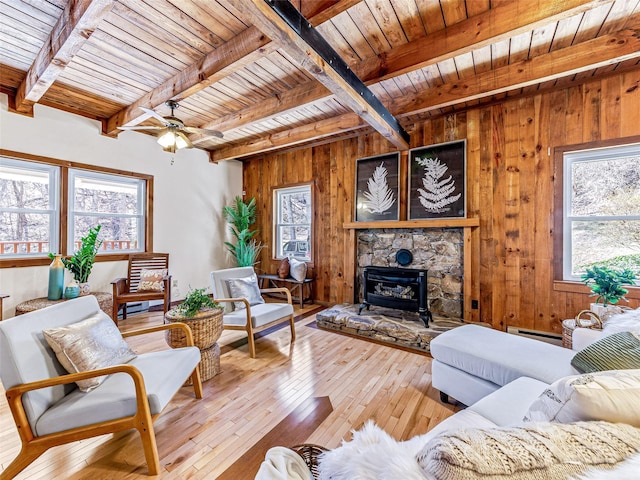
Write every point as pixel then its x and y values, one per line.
pixel 228 75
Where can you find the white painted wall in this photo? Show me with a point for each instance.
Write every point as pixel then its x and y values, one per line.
pixel 188 196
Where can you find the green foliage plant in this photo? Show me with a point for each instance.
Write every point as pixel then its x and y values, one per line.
pixel 196 300
pixel 241 215
pixel 81 262
pixel 606 283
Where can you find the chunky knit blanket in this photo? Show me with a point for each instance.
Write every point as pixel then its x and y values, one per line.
pixel 538 451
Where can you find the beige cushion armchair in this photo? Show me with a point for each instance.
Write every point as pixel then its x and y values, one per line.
pixel 48 408
pixel 251 318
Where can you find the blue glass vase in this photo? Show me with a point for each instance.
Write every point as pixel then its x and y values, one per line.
pixel 56 278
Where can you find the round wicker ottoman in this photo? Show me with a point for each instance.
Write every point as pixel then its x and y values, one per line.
pixel 206 327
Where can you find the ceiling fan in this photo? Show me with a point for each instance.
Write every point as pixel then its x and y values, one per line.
pixel 172 135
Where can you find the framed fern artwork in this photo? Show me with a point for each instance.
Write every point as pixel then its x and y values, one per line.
pixel 377 188
pixel 437 181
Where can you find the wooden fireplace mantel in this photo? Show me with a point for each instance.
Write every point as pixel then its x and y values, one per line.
pixel 470 236
pixel 435 223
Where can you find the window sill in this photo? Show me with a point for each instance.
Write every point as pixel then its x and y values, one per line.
pixel 40 261
pixel 577 287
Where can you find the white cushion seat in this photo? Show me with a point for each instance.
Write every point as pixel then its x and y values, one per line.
pixel 507 406
pixel 261 314
pixel 116 397
pixel 500 357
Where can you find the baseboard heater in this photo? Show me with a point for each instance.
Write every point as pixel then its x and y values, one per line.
pixel 137 307
pixel 553 338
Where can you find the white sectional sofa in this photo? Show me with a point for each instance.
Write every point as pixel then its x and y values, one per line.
pixel 500 376
pixel 470 362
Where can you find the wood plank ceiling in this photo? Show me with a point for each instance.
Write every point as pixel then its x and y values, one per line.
pixel 234 67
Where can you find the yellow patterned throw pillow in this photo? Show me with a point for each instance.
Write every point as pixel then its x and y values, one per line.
pixel 90 344
pixel 151 280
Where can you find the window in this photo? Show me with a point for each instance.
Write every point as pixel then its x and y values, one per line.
pixel 29 208
pixel 601 222
pixel 292 229
pixel 48 205
pixel 113 201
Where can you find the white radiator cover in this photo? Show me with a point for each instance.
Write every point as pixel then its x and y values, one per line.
pixel 554 338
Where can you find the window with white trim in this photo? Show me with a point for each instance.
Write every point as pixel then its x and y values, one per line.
pixel 29 208
pixel 601 217
pixel 293 211
pixel 115 202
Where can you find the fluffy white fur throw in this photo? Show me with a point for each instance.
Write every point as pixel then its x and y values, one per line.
pixel 372 454
pixel 628 470
pixel 623 322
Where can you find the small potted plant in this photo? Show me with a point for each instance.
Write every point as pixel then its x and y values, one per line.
pixel 202 314
pixel 81 262
pixel 607 285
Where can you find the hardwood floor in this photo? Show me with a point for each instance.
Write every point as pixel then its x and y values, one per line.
pixel 249 399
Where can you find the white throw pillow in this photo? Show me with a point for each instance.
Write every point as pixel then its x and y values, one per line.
pixel 611 396
pixel 298 269
pixel 90 344
pixel 246 287
pixel 623 322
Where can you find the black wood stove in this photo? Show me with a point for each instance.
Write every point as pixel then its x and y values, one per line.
pixel 401 288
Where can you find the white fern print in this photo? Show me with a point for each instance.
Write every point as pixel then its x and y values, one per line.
pixel 380 197
pixel 436 194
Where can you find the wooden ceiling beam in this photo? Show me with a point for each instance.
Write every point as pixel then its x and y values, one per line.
pixel 606 50
pixel 589 55
pixel 290 137
pixel 489 27
pixel 77 22
pixel 242 50
pixel 287 26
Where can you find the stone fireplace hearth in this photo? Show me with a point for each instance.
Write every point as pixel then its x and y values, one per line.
pixel 438 250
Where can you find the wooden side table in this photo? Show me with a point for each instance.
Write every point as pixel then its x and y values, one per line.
pixel 105 300
pixel 300 291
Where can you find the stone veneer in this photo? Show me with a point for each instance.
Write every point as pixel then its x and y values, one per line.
pixel 439 250
pixel 385 325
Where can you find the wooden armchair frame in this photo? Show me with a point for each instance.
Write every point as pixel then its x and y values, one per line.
pixel 33 446
pixel 249 328
pixel 125 289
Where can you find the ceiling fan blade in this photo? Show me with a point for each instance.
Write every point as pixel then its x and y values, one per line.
pixel 141 127
pixel 155 115
pixel 203 131
pixel 185 138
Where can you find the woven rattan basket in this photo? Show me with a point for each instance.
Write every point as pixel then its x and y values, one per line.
pixel 310 454
pixel 585 319
pixel 206 327
pixel 209 365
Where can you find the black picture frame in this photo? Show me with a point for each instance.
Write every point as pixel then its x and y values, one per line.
pixel 438 181
pixel 377 186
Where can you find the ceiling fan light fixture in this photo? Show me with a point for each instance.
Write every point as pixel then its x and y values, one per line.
pixel 167 139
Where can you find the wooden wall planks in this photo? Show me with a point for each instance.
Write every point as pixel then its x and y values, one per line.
pixel 510 181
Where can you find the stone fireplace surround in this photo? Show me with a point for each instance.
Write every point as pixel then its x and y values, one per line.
pixel 439 250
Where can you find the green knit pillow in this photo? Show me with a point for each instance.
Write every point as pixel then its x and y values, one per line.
pixel 620 351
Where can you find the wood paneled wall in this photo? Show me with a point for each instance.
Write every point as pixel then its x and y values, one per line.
pixel 510 187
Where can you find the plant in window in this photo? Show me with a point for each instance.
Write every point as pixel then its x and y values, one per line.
pixel 81 262
pixel 241 215
pixel 606 283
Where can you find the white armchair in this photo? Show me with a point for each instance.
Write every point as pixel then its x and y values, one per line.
pixel 47 407
pixel 250 318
